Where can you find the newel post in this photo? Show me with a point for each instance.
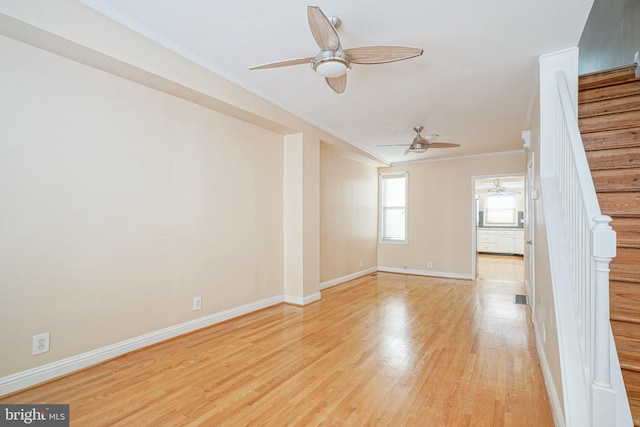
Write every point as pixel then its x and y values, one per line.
pixel 603 250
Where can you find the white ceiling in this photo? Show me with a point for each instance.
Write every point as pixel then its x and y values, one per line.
pixel 472 86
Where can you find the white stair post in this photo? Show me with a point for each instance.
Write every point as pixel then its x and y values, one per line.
pixel 603 240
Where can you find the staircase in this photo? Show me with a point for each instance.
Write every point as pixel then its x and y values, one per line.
pixel 609 121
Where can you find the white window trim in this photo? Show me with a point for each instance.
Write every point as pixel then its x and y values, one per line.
pixel 406 208
pixel 513 211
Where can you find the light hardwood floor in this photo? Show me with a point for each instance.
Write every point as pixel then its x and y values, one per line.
pixel 380 350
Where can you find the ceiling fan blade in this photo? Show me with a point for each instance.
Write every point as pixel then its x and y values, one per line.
pixel 393 145
pixel 284 63
pixel 322 30
pixel 381 54
pixel 443 145
pixel 338 84
pixel 431 137
pixel 407 151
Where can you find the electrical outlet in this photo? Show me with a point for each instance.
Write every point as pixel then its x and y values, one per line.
pixel 197 303
pixel 40 343
pixel 361 263
pixel 429 264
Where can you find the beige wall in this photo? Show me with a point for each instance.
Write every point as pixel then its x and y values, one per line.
pixel 441 195
pixel 544 305
pixel 348 215
pixel 135 180
pixel 120 204
pixel 301 218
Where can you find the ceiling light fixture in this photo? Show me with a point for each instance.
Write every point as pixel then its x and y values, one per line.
pixel 331 64
pixel 419 148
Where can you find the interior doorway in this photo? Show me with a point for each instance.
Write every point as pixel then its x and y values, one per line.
pixel 499 219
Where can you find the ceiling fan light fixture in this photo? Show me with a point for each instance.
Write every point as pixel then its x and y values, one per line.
pixel 331 64
pixel 331 68
pixel 418 147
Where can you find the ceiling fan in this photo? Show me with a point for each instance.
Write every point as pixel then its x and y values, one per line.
pixel 498 189
pixel 421 143
pixel 333 62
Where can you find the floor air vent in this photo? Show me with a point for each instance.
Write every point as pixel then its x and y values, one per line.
pixel 521 299
pixel 374 274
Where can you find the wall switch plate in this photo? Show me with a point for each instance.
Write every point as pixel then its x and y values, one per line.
pixel 361 263
pixel 429 264
pixel 40 343
pixel 197 303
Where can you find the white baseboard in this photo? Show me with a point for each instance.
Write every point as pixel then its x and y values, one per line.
pixel 340 280
pixel 556 408
pixel 30 377
pixel 290 299
pixel 426 273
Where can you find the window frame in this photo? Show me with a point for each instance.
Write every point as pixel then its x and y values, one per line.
pixel 513 211
pixel 382 207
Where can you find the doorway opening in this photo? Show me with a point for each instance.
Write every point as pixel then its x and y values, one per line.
pixel 499 221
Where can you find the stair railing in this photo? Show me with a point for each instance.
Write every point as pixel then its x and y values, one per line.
pixel 591 245
pixel 581 246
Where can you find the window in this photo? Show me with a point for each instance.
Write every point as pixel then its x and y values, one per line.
pixel 393 207
pixel 500 209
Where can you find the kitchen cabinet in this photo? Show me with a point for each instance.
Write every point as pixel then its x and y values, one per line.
pixel 500 241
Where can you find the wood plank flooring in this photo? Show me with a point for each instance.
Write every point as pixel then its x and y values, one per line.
pixel 381 350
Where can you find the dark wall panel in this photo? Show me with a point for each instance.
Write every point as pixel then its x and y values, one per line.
pixel 611 35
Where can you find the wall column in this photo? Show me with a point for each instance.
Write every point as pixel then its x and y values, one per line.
pixel 301 219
